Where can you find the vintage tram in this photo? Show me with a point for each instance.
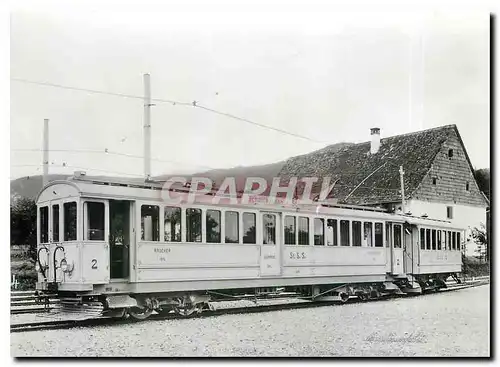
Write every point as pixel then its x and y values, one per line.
pixel 111 247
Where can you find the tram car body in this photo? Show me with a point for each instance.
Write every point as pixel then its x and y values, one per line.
pixel 118 247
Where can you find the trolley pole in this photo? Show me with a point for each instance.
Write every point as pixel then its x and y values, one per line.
pixel 147 127
pixel 401 176
pixel 45 157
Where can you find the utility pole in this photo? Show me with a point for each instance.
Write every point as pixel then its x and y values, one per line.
pixel 45 157
pixel 147 127
pixel 401 176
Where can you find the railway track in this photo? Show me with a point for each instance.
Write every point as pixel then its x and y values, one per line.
pixel 70 323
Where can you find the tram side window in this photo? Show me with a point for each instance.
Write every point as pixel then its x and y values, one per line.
pixel 449 240
pixel 458 241
pixel 44 224
pixel 344 233
pixel 303 231
pixel 249 228
pixel 150 222
pixel 443 240
pixel 269 229
pixel 388 234
pixel 428 239
pixel 232 233
pixel 172 221
pixel 356 233
pixel 290 230
pixel 193 225
pixel 368 228
pixel 422 238
pixel 319 232
pixel 213 226
pixel 454 239
pixel 70 221
pixel 55 223
pixel 439 240
pixel 433 239
pixel 379 235
pixel 95 221
pixel 331 232
pixel 397 236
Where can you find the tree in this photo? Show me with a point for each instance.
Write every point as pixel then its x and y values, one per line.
pixel 23 225
pixel 482 177
pixel 481 239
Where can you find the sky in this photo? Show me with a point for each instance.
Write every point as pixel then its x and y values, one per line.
pixel 328 77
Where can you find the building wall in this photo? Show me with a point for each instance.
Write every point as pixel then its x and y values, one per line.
pixel 465 216
pixel 448 176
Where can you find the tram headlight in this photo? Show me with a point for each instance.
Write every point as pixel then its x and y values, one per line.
pixel 64 265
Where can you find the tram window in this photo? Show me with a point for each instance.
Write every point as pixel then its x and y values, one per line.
pixel 232 233
pixel 344 233
pixel 458 241
pixel 212 224
pixel 439 240
pixel 368 228
pixel 422 238
pixel 356 233
pixel 331 232
pixel 290 230
pixel 55 223
pixel 428 239
pixel 249 228
pixel 433 239
pixel 443 240
pixel 303 231
pixel 319 232
pixel 388 234
pixel 397 236
pixel 269 229
pixel 449 240
pixel 193 225
pixel 379 235
pixel 172 222
pixel 454 239
pixel 70 221
pixel 44 224
pixel 95 221
pixel 150 223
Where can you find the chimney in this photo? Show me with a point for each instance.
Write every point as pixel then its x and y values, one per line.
pixel 375 145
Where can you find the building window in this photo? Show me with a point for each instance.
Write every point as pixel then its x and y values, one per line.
pixel 193 225
pixel 232 233
pixel 269 229
pixel 249 228
pixel 450 153
pixel 172 221
pixel 290 230
pixel 70 221
pixel 319 232
pixel 212 224
pixel 368 227
pixel 466 186
pixel 397 236
pixel 449 212
pixel 55 223
pixel 379 235
pixel 95 221
pixel 150 223
pixel 434 180
pixel 344 233
pixel 303 231
pixel 44 224
pixel 331 232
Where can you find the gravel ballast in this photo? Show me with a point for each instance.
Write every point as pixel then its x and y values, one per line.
pixel 447 324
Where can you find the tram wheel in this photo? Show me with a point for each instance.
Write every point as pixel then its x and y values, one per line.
pixel 140 313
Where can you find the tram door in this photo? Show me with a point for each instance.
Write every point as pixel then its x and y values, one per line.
pixel 397 249
pixel 270 262
pixel 119 238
